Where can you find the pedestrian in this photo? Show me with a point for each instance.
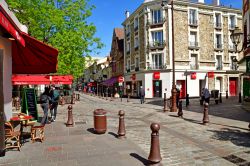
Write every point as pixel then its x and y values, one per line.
pixel 55 95
pixel 45 100
pixel 206 95
pixel 142 94
pixel 177 97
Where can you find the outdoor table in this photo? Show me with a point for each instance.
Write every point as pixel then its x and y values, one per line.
pixel 21 120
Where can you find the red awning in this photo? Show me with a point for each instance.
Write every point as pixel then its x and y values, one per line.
pixel 35 58
pixel 41 79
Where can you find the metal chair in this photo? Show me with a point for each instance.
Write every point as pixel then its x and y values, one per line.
pixel 12 138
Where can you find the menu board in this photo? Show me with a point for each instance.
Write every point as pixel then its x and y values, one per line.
pixel 29 103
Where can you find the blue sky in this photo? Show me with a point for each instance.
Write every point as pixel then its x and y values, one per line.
pixel 109 14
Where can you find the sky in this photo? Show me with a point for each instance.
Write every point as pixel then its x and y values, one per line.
pixel 110 14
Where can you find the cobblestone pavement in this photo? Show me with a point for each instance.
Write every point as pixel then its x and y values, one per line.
pixel 225 141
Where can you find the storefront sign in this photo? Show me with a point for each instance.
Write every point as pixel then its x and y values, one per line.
pixel 156 75
pixel 210 74
pixel 133 77
pixel 120 79
pixel 29 104
pixel 193 76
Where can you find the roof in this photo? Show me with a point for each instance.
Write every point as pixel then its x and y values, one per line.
pixel 119 32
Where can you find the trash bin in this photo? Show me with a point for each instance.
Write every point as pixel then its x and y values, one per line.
pixel 100 121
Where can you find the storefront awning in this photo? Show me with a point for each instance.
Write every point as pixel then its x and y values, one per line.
pixel 41 79
pixel 35 58
pixel 110 82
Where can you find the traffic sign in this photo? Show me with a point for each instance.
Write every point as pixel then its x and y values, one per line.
pixel 120 79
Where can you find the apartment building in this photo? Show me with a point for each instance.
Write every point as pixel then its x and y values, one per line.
pixel 204 53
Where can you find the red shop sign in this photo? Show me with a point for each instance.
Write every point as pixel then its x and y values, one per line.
pixel 133 77
pixel 156 75
pixel 120 79
pixel 193 76
pixel 210 74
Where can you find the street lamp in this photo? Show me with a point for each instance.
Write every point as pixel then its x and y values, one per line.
pixel 236 37
pixel 173 91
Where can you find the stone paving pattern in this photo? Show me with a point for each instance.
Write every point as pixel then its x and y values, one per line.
pixel 224 141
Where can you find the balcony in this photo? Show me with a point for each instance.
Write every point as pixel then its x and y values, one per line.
pixel 218 25
pixel 137 69
pixel 219 67
pixel 231 48
pixel 156 23
pixel 232 26
pixel 194 66
pixel 157 45
pixel 218 47
pixel 193 23
pixel 193 45
pixel 234 66
pixel 156 67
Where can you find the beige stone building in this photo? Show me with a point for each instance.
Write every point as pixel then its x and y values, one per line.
pixel 203 51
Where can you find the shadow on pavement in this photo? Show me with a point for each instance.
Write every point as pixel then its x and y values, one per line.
pixel 113 134
pixel 237 137
pixel 140 158
pixel 91 130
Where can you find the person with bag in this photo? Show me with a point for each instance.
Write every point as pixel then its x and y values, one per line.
pixel 45 99
pixel 54 102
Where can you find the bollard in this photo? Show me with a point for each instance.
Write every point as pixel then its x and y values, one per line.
pixel 226 94
pixel 103 97
pixel 249 126
pixel 239 97
pixel 205 114
pixel 155 155
pixel 187 100
pixel 180 112
pixel 72 99
pixel 121 129
pixel 70 122
pixel 165 109
pixel 220 98
pixel 128 98
pixel 106 96
pixel 100 121
pixel 111 97
pixel 78 97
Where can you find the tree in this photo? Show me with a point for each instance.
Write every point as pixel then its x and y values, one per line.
pixel 61 24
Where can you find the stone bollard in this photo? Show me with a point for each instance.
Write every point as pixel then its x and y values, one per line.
pixel 70 122
pixel 72 99
pixel 239 97
pixel 103 97
pixel 226 94
pixel 106 96
pixel 165 108
pixel 187 100
pixel 220 98
pixel 128 98
pixel 155 155
pixel 111 97
pixel 205 114
pixel 180 112
pixel 121 129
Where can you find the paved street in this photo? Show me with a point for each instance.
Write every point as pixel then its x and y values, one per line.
pixel 225 141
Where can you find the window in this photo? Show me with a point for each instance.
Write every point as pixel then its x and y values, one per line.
pixel 193 39
pixel 157 38
pixel 218 62
pixel 136 22
pixel 128 47
pixel 233 63
pixel 192 17
pixel 136 42
pixel 232 21
pixel 157 60
pixel 156 16
pixel 128 65
pixel 194 61
pixel 127 30
pixel 218 43
pixel 217 20
pixel 136 62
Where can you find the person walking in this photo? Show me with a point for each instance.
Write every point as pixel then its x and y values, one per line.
pixel 45 100
pixel 54 93
pixel 206 95
pixel 142 94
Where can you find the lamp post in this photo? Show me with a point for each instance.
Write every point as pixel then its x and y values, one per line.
pixel 173 91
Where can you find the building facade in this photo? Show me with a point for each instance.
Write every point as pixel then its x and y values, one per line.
pixel 204 53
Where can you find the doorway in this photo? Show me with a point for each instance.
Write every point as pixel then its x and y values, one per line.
pixel 157 88
pixel 233 86
pixel 181 85
pixel 218 83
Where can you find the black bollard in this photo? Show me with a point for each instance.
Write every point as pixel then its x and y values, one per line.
pixel 165 109
pixel 226 94
pixel 155 155
pixel 180 112
pixel 70 122
pixel 220 98
pixel 239 97
pixel 205 114
pixel 249 126
pixel 121 129
pixel 187 100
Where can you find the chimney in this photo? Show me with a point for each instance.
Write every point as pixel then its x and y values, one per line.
pixel 127 13
pixel 216 2
pixel 200 1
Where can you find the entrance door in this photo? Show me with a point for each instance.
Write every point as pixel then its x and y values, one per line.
pixel 233 86
pixel 218 84
pixel 157 87
pixel 181 85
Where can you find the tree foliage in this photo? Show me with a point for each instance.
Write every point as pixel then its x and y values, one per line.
pixel 63 25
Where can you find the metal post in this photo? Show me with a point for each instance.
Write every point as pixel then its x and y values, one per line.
pixel 165 109
pixel 205 114
pixel 187 100
pixel 121 128
pixel 226 94
pixel 180 112
pixel 155 155
pixel 70 122
pixel 220 98
pixel 239 97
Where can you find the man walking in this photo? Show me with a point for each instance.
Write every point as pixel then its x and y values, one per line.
pixel 142 94
pixel 54 93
